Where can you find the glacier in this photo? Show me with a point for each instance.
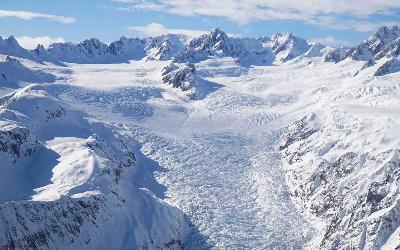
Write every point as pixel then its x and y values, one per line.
pixel 213 142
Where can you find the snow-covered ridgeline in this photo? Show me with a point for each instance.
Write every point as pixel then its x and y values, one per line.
pixel 69 181
pixel 281 47
pixel 383 48
pixel 342 161
pixel 248 51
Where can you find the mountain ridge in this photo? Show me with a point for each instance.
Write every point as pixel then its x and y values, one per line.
pixel 280 47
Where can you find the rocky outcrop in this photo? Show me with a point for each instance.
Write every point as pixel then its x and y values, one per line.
pixel 286 46
pixel 246 51
pixel 390 66
pixel 336 54
pixel 183 78
pixel 353 199
pixel 128 48
pixel 16 142
pixel 164 47
pixel 383 45
pixel 75 190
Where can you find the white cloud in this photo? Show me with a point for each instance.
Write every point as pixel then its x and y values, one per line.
pixel 327 13
pixel 27 15
pixel 156 29
pixel 125 1
pixel 31 42
pixel 331 41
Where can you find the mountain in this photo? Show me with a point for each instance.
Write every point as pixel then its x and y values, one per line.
pixel 247 51
pixel 185 78
pixel 122 50
pixel 316 50
pixel 286 46
pixel 11 47
pixel 129 48
pixel 165 47
pixel 351 197
pixel 13 72
pixel 91 50
pixel 213 142
pixel 67 181
pixel 281 47
pixel 384 45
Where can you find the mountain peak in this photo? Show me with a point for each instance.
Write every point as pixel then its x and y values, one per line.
pixel 218 33
pixel 386 33
pixel 12 42
pixel 288 46
pixel 92 41
pixel 216 30
pixel 283 36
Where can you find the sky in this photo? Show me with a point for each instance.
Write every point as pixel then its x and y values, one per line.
pixel 333 22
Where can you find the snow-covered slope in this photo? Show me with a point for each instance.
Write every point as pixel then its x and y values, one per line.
pixel 342 159
pixel 247 51
pixel 13 72
pixel 215 142
pixel 286 46
pixel 382 48
pixel 11 47
pixel 165 47
pixel 67 182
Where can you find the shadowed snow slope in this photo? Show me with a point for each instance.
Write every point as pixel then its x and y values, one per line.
pixel 68 181
pixel 13 72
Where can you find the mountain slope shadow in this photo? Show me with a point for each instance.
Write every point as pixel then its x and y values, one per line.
pixel 19 180
pixel 205 87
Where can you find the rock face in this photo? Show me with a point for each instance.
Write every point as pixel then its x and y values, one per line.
pixel 299 130
pixel 286 46
pixel 16 142
pixel 383 45
pixel 247 51
pixel 336 55
pixel 353 198
pixel 129 48
pixel 91 50
pixel 316 50
pixel 164 47
pixel 390 66
pixel 67 182
pixel 183 78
